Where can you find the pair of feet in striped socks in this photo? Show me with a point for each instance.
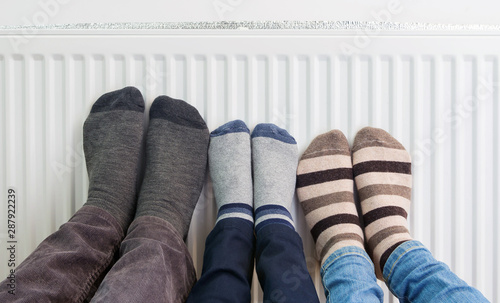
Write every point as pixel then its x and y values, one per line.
pixel 270 155
pixel 381 169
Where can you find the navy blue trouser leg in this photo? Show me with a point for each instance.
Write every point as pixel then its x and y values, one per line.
pixel 227 263
pixel 281 266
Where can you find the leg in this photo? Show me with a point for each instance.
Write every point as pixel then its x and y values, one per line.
pixel 227 264
pixel 153 256
pixel 229 249
pixel 413 275
pixel 154 266
pixel 64 266
pixel 325 191
pixel 348 276
pixel 382 170
pixel 281 264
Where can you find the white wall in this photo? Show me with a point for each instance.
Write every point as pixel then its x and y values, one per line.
pixel 76 11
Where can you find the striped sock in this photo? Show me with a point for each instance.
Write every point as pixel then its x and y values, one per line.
pixel 230 168
pixel 382 171
pixel 274 159
pixel 325 191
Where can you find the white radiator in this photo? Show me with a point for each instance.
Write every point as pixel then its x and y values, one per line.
pixel 435 91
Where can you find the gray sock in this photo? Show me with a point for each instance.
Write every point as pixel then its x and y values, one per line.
pixel 230 162
pixel 176 162
pixel 112 139
pixel 274 161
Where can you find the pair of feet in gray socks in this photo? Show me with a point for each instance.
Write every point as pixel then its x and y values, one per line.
pixel 176 158
pixel 270 155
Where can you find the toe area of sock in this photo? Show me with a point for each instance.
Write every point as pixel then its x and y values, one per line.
pixel 176 111
pixel 330 143
pixel 236 126
pixel 127 98
pixel 272 131
pixel 371 136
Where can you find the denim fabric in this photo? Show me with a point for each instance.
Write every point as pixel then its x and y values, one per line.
pixel 413 275
pixel 281 266
pixel 64 267
pixel 348 275
pixel 227 264
pixel 154 266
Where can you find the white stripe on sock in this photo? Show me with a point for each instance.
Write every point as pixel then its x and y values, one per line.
pixel 235 215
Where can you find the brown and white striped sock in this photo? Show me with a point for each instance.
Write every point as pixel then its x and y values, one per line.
pixel 382 171
pixel 325 191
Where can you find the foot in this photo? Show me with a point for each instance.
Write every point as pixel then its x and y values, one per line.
pixel 325 191
pixel 382 171
pixel 274 159
pixel 176 162
pixel 112 139
pixel 230 162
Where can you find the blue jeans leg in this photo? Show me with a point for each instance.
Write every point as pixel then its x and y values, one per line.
pixel 227 264
pixel 348 275
pixel 413 275
pixel 281 266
